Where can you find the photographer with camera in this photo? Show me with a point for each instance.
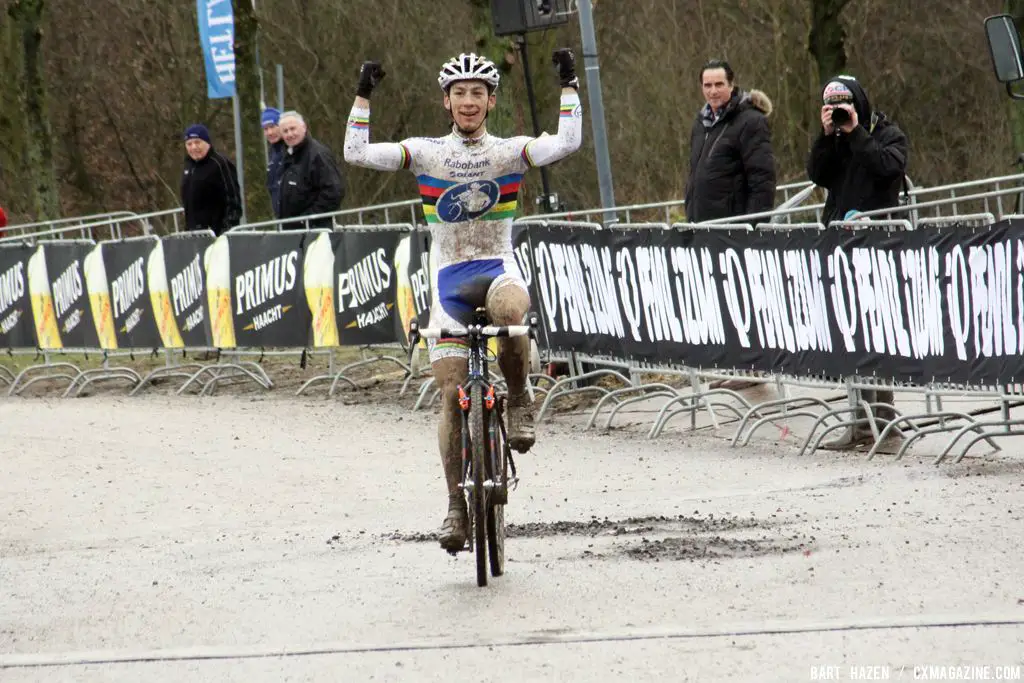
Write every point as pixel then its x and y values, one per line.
pixel 860 157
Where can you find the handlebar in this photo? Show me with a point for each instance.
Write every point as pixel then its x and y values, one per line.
pixel 416 334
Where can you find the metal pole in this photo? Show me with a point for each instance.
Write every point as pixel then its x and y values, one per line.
pixel 531 97
pixel 280 87
pixel 239 163
pixel 593 71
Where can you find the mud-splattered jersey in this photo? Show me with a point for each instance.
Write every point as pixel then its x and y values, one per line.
pixel 469 187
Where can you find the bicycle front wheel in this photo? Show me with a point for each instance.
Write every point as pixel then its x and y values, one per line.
pixel 496 507
pixel 478 502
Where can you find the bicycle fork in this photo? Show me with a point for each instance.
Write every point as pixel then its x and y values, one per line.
pixel 490 434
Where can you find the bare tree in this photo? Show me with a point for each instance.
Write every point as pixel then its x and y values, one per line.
pixel 827 39
pixel 27 16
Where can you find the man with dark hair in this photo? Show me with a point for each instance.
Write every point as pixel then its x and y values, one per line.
pixel 860 157
pixel 732 165
pixel 209 185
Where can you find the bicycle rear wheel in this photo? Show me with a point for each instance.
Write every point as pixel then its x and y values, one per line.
pixel 478 501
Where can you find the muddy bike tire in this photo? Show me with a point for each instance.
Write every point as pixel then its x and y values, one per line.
pixel 496 511
pixel 496 539
pixel 478 501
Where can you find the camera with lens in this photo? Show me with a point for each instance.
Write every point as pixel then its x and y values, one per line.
pixel 840 116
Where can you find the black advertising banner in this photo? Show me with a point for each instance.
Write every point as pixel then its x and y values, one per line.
pixel 177 285
pixel 268 298
pixel 132 305
pixel 58 278
pixel 937 304
pixel 367 286
pixel 16 328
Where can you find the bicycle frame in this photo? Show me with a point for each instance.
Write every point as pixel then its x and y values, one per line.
pixel 479 375
pixel 478 334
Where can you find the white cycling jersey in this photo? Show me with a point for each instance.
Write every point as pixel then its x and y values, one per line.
pixel 469 189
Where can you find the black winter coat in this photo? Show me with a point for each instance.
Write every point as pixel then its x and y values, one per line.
pixel 210 193
pixel 732 165
pixel 275 158
pixel 862 171
pixel 310 183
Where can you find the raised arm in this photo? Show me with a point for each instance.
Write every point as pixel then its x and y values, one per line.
pixel 359 151
pixel 549 149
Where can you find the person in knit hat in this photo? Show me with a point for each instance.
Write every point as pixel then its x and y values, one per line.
pixel 270 120
pixel 209 185
pixel 860 158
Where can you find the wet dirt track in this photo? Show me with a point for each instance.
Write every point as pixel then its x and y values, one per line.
pixel 212 536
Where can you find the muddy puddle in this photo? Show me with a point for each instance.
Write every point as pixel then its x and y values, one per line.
pixel 658 538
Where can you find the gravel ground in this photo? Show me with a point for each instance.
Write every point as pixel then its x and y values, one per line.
pixel 273 538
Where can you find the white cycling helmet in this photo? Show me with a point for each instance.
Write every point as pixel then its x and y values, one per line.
pixel 468 68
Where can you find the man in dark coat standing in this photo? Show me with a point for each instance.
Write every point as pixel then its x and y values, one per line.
pixel 311 183
pixel 270 120
pixel 209 185
pixel 732 165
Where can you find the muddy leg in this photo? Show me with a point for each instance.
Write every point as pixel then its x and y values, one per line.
pixel 449 373
pixel 508 305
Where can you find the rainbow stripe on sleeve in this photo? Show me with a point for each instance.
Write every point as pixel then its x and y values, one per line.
pixel 566 110
pixel 359 122
pixel 432 188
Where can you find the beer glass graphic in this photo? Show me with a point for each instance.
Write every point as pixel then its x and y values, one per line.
pixel 47 334
pixel 318 275
pixel 218 290
pixel 160 298
pixel 99 297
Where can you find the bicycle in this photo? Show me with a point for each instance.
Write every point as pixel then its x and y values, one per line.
pixel 486 455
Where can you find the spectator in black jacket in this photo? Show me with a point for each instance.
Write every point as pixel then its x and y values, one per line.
pixel 270 120
pixel 732 165
pixel 310 180
pixel 209 185
pixel 860 157
pixel 861 160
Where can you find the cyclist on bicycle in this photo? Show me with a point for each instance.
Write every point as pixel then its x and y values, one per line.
pixel 469 184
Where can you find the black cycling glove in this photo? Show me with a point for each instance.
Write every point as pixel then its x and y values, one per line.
pixel 565 62
pixel 370 75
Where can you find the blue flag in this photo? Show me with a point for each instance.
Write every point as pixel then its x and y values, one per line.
pixel 217 36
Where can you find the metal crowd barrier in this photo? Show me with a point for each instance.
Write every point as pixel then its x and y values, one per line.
pixel 404 212
pixel 60 224
pixel 839 410
pixel 111 227
pixel 667 209
pixel 976 202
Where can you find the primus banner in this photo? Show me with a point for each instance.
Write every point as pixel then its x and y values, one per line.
pixel 942 304
pixel 16 325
